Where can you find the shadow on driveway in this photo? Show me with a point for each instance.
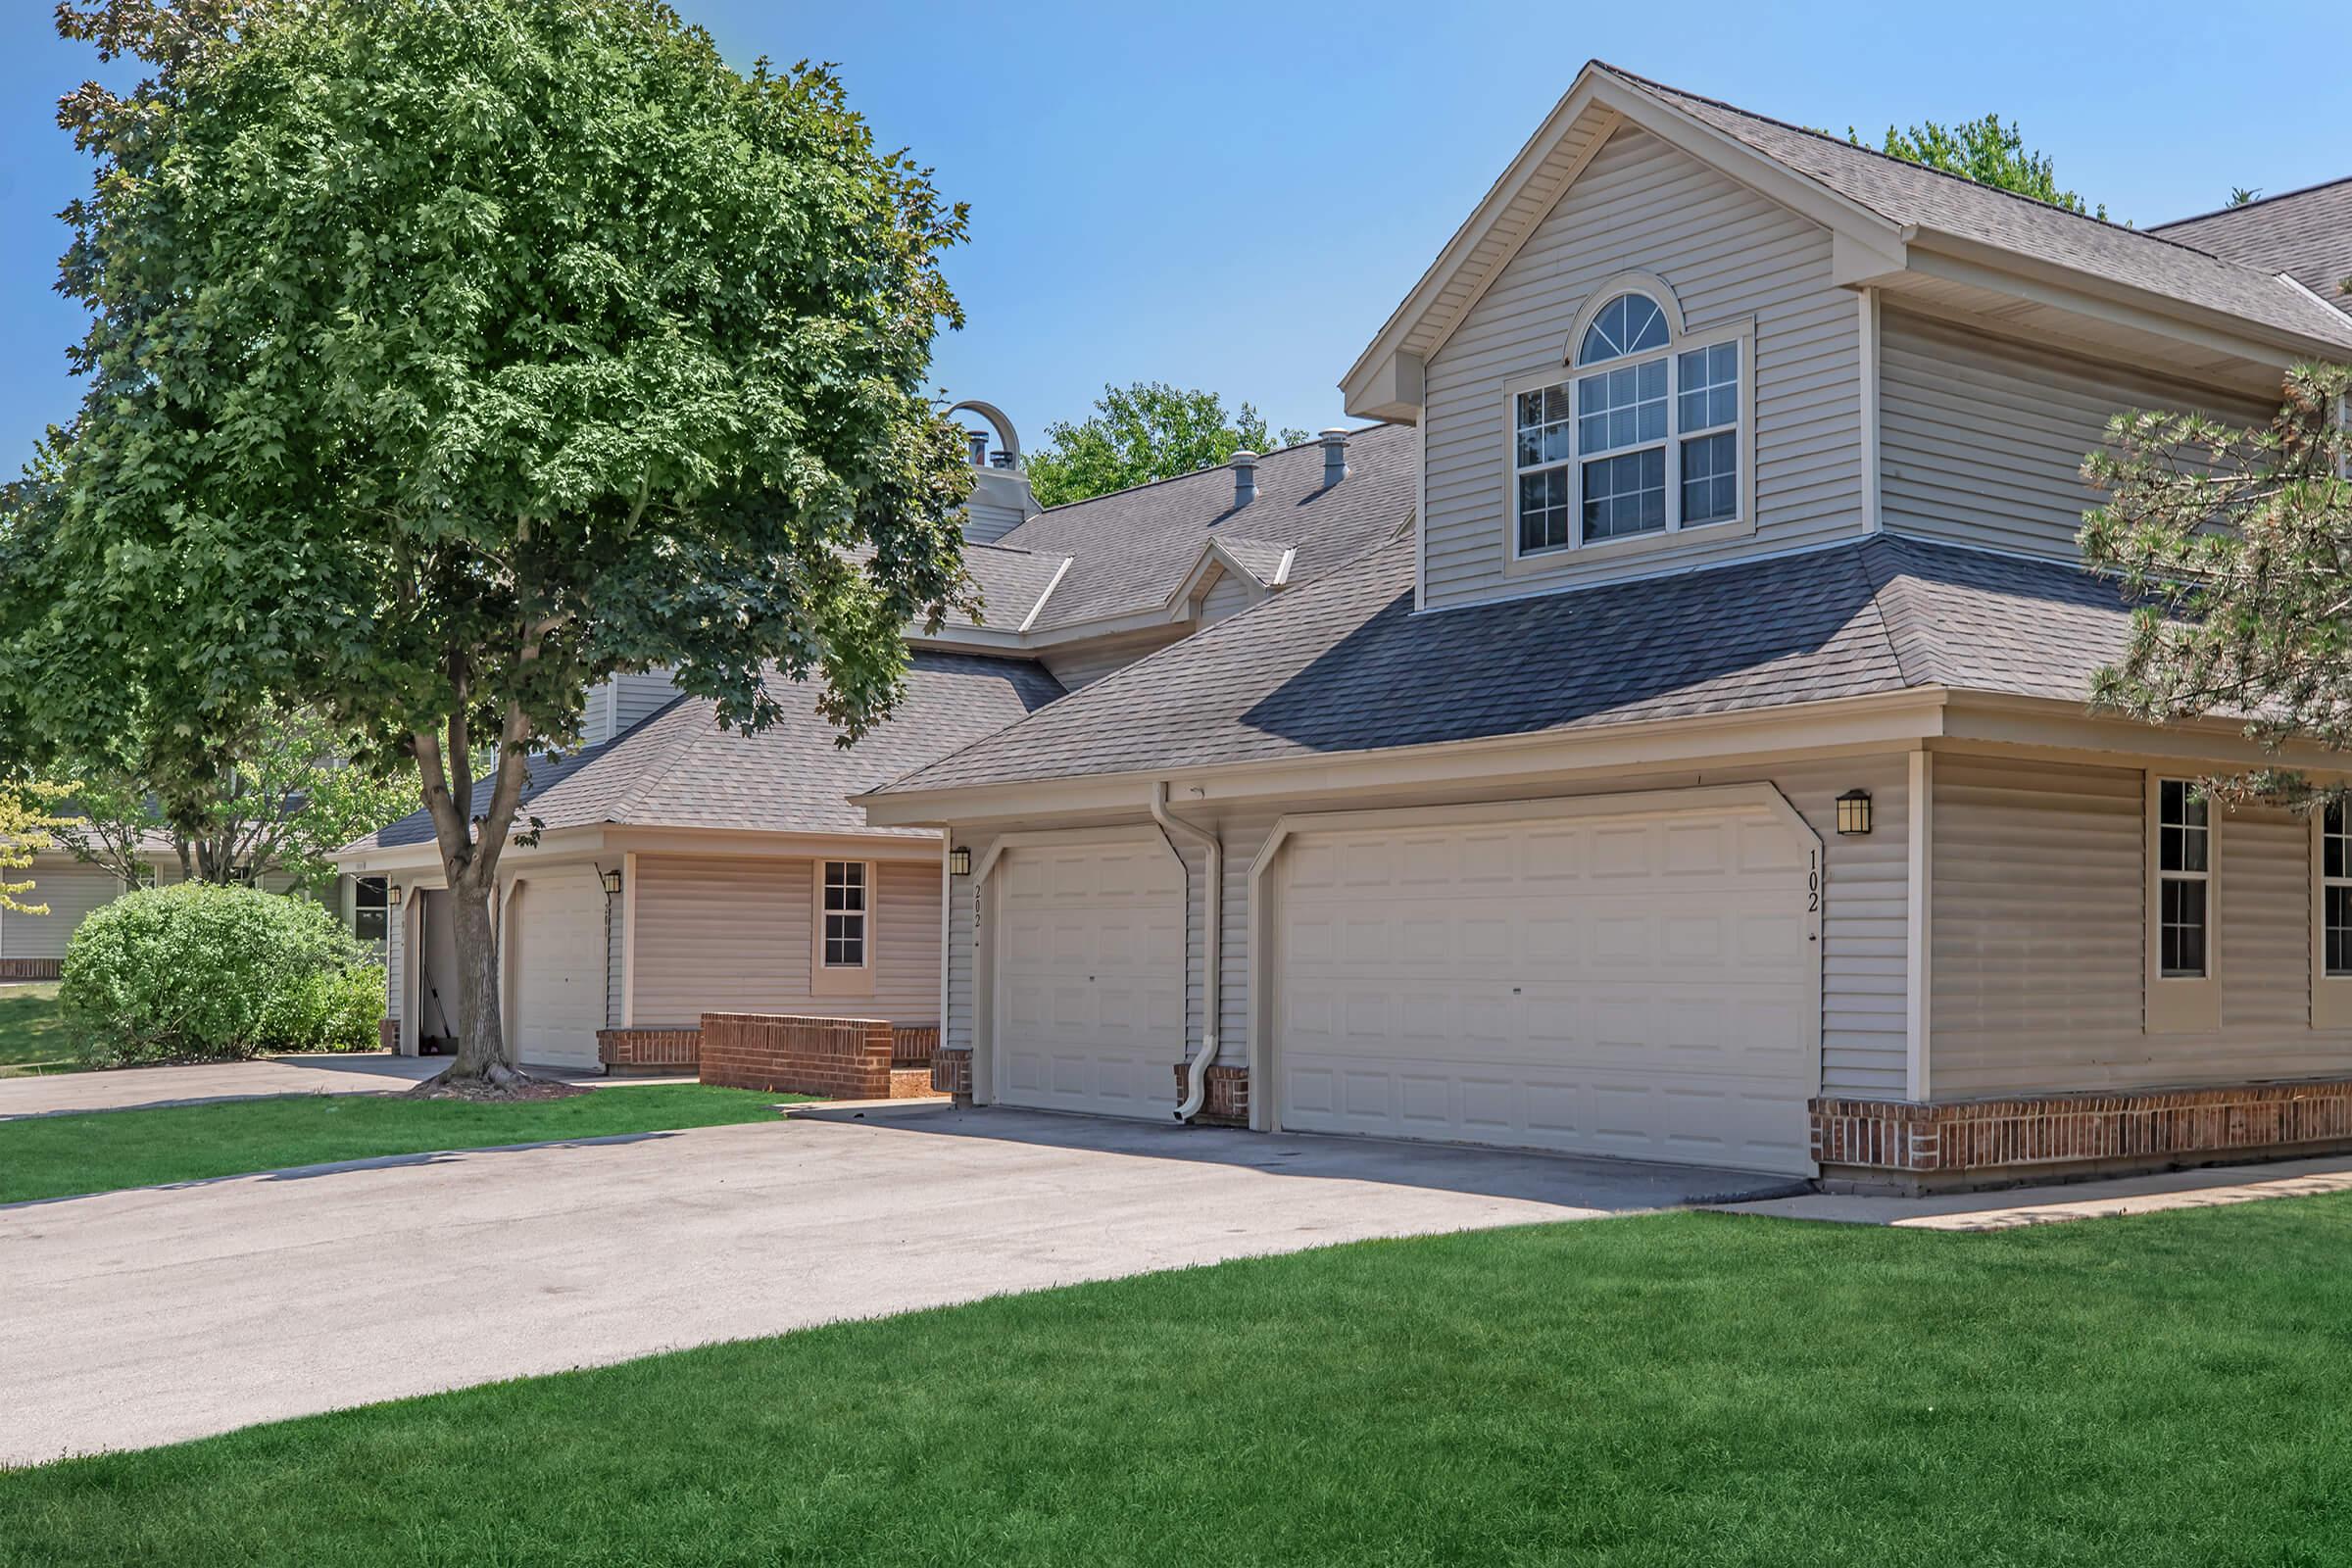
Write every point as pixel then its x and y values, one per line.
pixel 1611 1185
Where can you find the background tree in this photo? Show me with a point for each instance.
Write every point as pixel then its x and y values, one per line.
pixel 2236 546
pixel 1985 151
pixel 446 359
pixel 1139 433
pixel 26 824
pixel 276 798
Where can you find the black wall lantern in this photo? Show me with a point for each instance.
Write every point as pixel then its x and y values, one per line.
pixel 612 881
pixel 1853 814
pixel 959 862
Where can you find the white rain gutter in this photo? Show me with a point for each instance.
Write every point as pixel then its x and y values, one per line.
pixel 1195 1088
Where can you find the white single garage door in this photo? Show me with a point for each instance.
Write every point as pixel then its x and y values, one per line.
pixel 1642 985
pixel 1090 978
pixel 555 944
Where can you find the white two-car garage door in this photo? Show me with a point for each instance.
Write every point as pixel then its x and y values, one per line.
pixel 555 944
pixel 1089 1007
pixel 1641 984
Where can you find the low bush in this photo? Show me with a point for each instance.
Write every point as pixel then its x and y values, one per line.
pixel 201 972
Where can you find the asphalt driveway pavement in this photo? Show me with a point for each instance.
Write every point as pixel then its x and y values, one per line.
pixel 157 1314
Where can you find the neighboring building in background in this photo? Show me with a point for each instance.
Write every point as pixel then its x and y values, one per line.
pixel 33 947
pixel 681 870
pixel 1709 775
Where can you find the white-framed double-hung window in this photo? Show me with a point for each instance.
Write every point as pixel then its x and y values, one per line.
pixel 2331 917
pixel 842 938
pixel 2183 992
pixel 1646 434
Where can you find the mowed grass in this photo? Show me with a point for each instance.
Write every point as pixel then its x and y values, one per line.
pixel 33 1037
pixel 1669 1389
pixel 95 1152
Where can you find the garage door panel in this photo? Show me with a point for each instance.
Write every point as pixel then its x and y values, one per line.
pixel 1632 985
pixel 557 937
pixel 1089 979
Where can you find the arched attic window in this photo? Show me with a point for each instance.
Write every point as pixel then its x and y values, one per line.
pixel 1644 438
pixel 1629 324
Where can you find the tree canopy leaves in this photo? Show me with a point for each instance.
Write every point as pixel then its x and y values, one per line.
pixel 1985 151
pixel 446 357
pixel 2236 546
pixel 1149 430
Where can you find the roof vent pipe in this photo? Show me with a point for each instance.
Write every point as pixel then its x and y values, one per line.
pixel 1334 457
pixel 1245 477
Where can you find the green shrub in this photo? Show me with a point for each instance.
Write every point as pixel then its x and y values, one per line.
pixel 200 972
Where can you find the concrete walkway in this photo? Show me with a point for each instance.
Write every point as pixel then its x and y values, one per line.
pixel 143 1317
pixel 2017 1206
pixel 367 1072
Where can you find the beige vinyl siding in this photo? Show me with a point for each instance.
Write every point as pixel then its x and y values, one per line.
pixel 733 936
pixel 2038 934
pixel 1229 595
pixel 1864 915
pixel 985 522
pixel 1728 253
pixel 1082 664
pixel 396 953
pixel 956 1029
pixel 70 889
pixel 1982 440
pixel 637 697
pixel 616 955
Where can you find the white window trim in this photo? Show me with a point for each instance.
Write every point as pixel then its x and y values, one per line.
pixel 1679 340
pixel 2182 1004
pixel 2330 995
pixel 840 979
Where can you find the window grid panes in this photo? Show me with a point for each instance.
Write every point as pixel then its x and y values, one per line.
pixel 1629 324
pixel 2183 866
pixel 844 914
pixel 1648 446
pixel 1542 454
pixel 2336 889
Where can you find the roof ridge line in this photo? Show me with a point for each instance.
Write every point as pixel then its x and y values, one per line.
pixel 1195 473
pixel 1942 173
pixel 658 768
pixel 2240 206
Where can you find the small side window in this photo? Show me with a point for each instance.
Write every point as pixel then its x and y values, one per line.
pixel 2184 881
pixel 367 908
pixel 2336 891
pixel 844 914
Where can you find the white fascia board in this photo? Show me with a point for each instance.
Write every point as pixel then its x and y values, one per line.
pixel 1958 259
pixel 1879 720
pixel 1375 386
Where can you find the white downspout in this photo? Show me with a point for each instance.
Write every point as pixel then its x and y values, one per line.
pixel 1196 1090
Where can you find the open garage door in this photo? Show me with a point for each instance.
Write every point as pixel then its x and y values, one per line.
pixel 1641 984
pixel 1089 976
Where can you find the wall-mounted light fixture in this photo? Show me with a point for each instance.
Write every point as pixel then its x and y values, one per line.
pixel 959 862
pixel 612 884
pixel 392 895
pixel 1853 814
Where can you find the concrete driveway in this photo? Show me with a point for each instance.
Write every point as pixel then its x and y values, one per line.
pixel 369 1072
pixel 144 1317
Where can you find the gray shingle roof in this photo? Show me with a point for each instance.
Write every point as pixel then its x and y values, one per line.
pixel 1010 582
pixel 1133 548
pixel 1906 193
pixel 2307 235
pixel 677 769
pixel 1345 665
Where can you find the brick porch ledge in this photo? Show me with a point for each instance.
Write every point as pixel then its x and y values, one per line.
pixel 836 1059
pixel 2015 1136
pixel 30 968
pixel 648 1050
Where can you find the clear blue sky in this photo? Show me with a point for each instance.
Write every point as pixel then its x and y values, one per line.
pixel 1234 197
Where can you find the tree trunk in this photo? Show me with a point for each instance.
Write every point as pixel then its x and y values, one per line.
pixel 482 1053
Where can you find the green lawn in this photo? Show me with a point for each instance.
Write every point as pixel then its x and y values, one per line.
pixel 1679 1388
pixel 33 1037
pixel 51 1156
